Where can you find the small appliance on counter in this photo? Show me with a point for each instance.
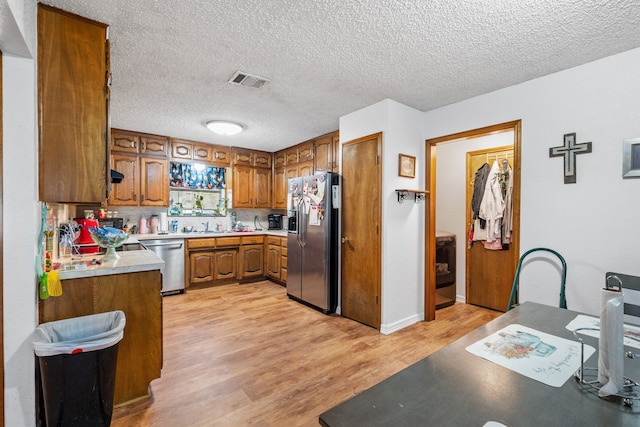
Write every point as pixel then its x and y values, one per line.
pixel 84 238
pixel 275 221
pixel 112 222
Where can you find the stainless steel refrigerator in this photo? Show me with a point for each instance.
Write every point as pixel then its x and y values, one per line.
pixel 313 255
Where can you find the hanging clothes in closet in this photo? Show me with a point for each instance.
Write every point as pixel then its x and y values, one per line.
pixel 493 215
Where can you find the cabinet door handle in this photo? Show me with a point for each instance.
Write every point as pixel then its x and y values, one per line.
pixel 345 239
pixel 133 144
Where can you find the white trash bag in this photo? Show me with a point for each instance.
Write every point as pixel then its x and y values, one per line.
pixel 79 334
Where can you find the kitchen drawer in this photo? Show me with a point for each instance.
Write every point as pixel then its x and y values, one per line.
pixel 271 240
pixel 284 250
pixel 201 243
pixel 283 274
pixel 228 241
pixel 252 240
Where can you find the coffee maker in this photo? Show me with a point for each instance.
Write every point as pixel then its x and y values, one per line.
pixel 275 221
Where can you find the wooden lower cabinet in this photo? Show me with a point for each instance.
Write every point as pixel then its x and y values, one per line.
pixel 226 264
pixel 283 260
pixel 273 260
pixel 201 267
pixel 252 258
pixel 138 296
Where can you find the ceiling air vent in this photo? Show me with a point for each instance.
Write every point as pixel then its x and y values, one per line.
pixel 246 79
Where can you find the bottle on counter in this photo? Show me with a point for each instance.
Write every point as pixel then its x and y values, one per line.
pixel 142 225
pixel 153 224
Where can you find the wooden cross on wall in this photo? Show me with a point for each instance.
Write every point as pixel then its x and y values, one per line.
pixel 569 151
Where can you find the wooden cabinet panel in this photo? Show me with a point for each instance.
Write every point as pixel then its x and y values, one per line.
pixel 202 153
pixel 324 154
pixel 242 156
pixel 261 188
pixel 123 141
pixel 126 193
pixel 153 145
pixel 262 159
pixel 280 189
pixel 154 182
pixel 305 168
pixel 336 151
pixel 253 240
pixel 201 267
pixel 221 155
pixel 73 108
pixel 291 171
pixel 279 159
pixel 305 151
pixel 226 264
pixel 138 296
pixel 228 241
pixel 209 242
pixel 242 187
pixel 252 258
pixel 292 155
pixel 181 149
pixel 273 260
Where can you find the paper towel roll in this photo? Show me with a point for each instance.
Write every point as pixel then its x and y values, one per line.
pixel 164 225
pixel 611 347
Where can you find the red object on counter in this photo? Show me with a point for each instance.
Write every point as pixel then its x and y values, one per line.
pixel 85 236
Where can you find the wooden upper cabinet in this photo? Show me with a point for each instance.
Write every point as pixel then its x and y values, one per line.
pixel 153 145
pixel 262 159
pixel 262 188
pixel 324 154
pixel 279 200
pixel 181 149
pixel 305 168
pixel 124 141
pixel 202 152
pixel 279 159
pixel 216 155
pixel 221 155
pixel 154 182
pixel 305 151
pixel 242 156
pixel 127 192
pixel 73 107
pixel 292 155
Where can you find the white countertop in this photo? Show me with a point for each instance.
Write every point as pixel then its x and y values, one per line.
pixel 129 262
pixel 196 234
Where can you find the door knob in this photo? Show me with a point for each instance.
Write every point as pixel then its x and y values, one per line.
pixel 345 239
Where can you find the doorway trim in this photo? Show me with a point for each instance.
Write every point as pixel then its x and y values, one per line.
pixel 430 211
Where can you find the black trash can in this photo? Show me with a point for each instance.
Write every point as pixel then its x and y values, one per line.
pixel 77 359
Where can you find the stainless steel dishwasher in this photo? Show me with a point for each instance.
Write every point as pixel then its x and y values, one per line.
pixel 172 253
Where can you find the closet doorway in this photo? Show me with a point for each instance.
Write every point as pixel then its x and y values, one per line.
pixel 489 272
pixel 480 270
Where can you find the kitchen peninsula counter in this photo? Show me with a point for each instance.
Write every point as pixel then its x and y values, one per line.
pixel 132 284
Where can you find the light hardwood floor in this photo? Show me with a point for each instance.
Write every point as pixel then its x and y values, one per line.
pixel 238 355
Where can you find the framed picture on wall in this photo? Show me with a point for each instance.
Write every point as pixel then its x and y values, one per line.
pixel 407 166
pixel 631 158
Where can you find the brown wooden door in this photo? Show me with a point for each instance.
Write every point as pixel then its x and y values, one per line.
pixel 252 260
pixel 361 248
pixel 305 168
pixel 226 264
pixel 154 145
pixel 154 182
pixel 126 193
pixel 202 267
pixel 73 108
pixel 261 188
pixel 242 186
pixel 279 189
pixel 324 154
pixel 489 272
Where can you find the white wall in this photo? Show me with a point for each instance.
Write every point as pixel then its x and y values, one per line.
pixel 592 223
pixel 21 225
pixel 402 224
pixel 451 187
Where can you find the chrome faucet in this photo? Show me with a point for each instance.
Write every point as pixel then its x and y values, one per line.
pixel 206 226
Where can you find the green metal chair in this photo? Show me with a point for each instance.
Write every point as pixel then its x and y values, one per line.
pixel 516 280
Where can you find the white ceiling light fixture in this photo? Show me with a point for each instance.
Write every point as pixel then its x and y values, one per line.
pixel 222 127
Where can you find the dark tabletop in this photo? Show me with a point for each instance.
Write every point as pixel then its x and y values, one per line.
pixel 453 387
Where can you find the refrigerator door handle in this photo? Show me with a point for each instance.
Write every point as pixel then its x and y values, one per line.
pixel 302 223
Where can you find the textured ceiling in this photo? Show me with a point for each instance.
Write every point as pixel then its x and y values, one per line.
pixel 171 60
